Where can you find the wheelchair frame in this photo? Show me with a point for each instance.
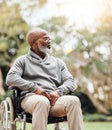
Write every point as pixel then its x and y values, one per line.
pixel 11 113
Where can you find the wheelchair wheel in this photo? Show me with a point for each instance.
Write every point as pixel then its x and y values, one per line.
pixel 7 115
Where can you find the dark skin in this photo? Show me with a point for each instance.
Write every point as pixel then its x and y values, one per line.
pixel 44 40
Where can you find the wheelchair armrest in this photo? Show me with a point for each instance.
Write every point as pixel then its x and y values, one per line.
pixel 16 91
pixel 14 88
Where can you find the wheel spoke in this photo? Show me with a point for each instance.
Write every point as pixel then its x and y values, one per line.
pixel 7 115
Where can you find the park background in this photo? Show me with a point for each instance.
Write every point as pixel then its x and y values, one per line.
pixel 81 32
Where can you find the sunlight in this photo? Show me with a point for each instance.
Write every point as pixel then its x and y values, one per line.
pixel 80 11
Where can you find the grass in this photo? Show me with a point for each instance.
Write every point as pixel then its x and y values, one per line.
pixel 87 126
pixel 98 126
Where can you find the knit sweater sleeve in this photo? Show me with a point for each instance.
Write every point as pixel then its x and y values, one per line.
pixel 68 82
pixel 14 76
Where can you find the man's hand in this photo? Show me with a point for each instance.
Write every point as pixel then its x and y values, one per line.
pixel 41 91
pixel 53 97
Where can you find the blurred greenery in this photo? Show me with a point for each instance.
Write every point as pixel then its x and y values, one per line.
pixel 97 117
pixel 88 53
pixel 97 126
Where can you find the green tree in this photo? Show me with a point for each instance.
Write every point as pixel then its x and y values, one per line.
pixel 12 31
pixel 86 60
pixel 91 61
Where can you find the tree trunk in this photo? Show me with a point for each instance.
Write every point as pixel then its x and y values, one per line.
pixel 96 103
pixel 2 91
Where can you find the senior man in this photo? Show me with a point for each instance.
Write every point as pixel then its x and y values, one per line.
pixel 45 82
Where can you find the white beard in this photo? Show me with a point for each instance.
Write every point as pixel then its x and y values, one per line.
pixel 44 49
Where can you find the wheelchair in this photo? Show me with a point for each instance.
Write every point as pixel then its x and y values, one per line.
pixel 11 113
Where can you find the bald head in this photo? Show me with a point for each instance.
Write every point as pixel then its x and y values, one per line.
pixel 35 34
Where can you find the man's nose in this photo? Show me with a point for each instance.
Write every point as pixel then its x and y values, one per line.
pixel 48 40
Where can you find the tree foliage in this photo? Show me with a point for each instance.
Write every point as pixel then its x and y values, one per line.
pixel 12 31
pixel 92 62
pixel 86 51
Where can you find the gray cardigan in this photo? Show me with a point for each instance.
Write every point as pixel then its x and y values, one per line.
pixel 30 72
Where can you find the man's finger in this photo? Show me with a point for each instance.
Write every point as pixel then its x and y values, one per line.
pixel 46 95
